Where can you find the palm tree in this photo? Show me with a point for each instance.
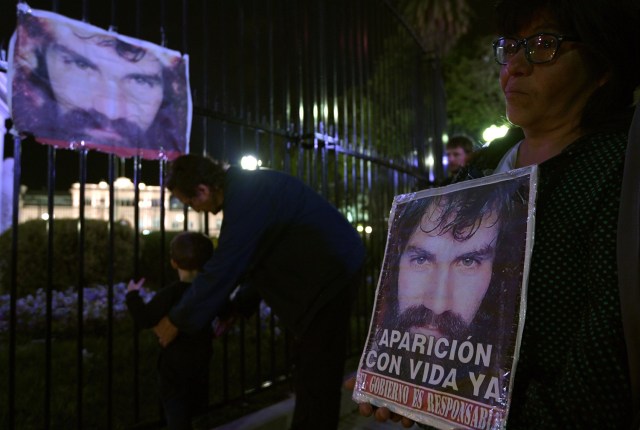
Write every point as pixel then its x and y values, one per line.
pixel 437 23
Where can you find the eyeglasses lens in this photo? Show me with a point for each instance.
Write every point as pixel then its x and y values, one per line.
pixel 540 48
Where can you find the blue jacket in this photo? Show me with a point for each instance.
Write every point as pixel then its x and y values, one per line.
pixel 281 237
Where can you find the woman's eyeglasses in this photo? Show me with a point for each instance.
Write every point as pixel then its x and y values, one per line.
pixel 539 48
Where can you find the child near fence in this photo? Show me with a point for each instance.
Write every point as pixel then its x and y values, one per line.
pixel 183 365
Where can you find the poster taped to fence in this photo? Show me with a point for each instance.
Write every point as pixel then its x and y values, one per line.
pixel 74 85
pixel 450 304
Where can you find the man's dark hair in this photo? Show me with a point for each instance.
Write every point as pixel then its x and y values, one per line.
pixel 190 250
pixel 609 32
pixel 460 142
pixel 188 171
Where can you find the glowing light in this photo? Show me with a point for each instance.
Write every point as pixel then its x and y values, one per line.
pixel 368 229
pixel 429 161
pixel 360 228
pixel 249 162
pixel 123 182
pixel 44 216
pixel 494 132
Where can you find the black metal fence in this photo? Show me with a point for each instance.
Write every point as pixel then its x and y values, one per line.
pixel 336 92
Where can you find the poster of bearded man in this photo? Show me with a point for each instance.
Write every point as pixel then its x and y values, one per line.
pixel 74 85
pixel 450 304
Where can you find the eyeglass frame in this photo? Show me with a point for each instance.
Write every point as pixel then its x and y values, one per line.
pixel 525 43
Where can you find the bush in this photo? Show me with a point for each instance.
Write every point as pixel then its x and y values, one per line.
pixel 31 310
pixel 33 239
pixel 254 351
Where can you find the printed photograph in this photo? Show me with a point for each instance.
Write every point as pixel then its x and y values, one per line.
pixel 74 85
pixel 449 308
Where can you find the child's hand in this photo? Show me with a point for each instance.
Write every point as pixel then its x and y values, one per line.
pixel 135 286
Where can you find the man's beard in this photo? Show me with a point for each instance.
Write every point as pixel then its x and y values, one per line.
pixel 451 325
pixel 78 124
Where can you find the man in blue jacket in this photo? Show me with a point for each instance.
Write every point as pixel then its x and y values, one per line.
pixel 297 250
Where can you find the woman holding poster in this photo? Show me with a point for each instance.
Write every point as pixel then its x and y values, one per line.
pixel 568 71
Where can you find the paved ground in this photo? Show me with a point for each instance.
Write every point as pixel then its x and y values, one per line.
pixel 278 417
pixel 355 422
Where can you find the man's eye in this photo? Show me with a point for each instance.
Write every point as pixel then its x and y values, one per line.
pixel 78 63
pixel 145 81
pixel 419 260
pixel 469 262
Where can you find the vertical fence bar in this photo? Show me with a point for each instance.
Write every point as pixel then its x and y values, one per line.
pixel 185 26
pixel 283 163
pixel 136 246
pixel 321 101
pixel 240 82
pixel 257 134
pixel 271 85
pixel 80 292
pixel 51 183
pixel 111 178
pixel 81 238
pixel 136 271
pixel 243 362
pixel 163 216
pixel 14 282
pixel 110 292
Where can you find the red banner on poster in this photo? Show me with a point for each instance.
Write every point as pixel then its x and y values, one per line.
pixel 455 410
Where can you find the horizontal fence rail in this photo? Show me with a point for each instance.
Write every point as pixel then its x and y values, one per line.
pixel 335 92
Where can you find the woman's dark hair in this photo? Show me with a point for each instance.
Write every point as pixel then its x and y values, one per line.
pixel 610 31
pixel 186 172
